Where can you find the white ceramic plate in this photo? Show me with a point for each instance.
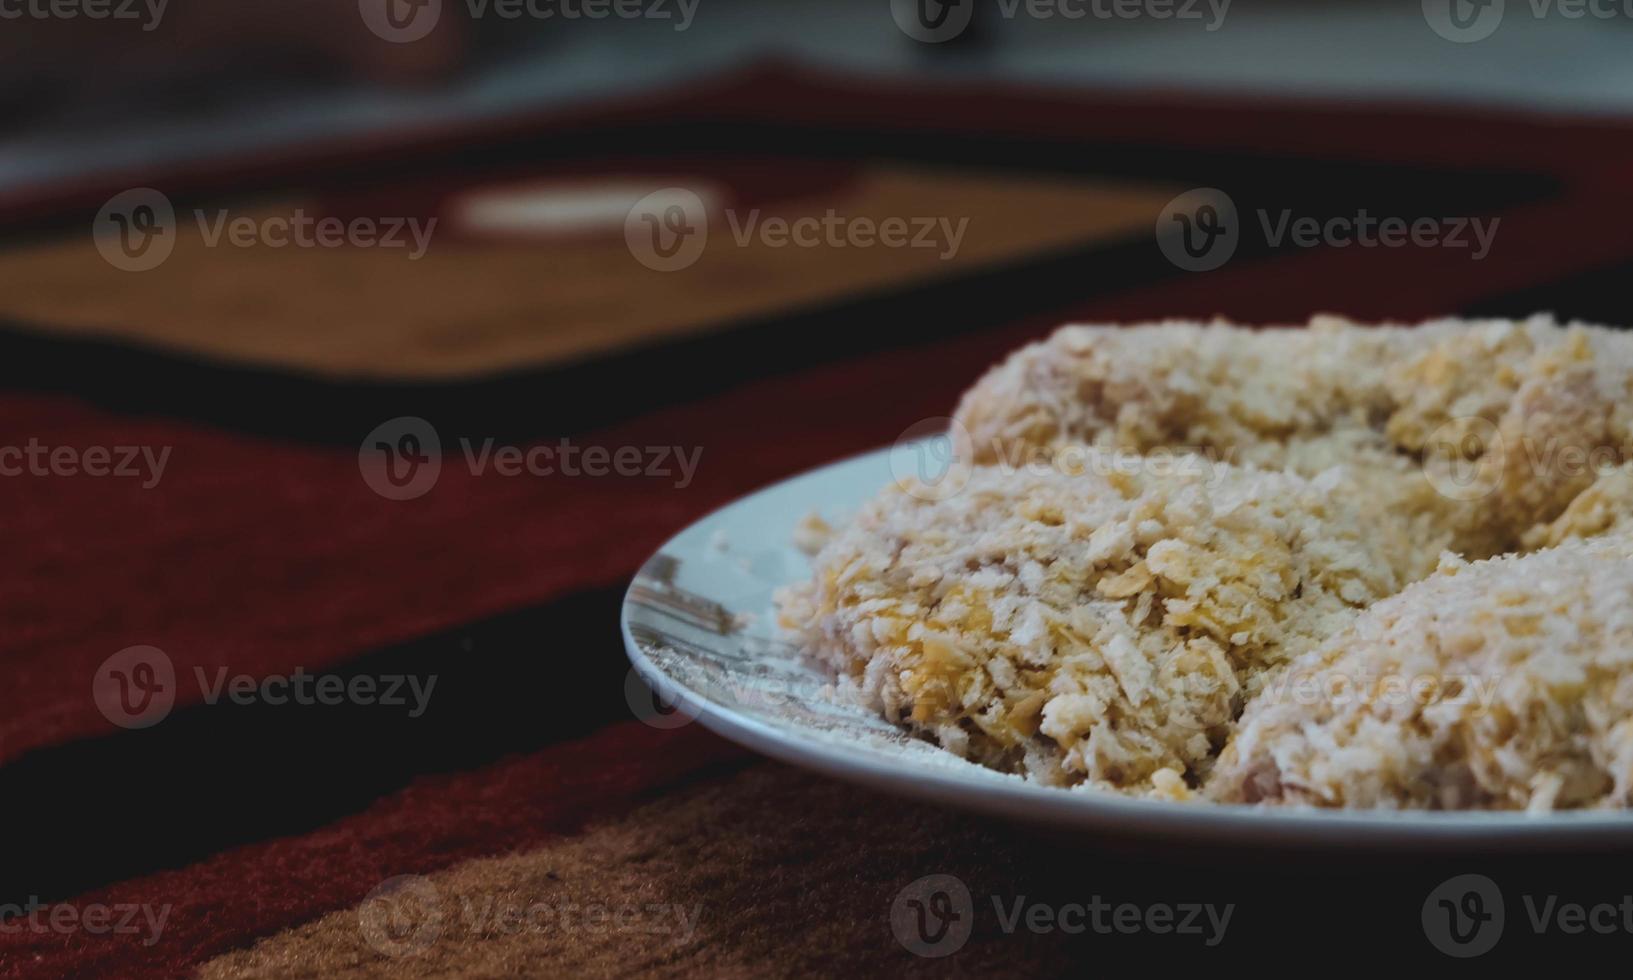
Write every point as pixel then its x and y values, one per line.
pixel 700 629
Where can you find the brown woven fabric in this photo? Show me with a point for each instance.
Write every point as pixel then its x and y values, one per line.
pixel 470 305
pixel 811 868
pixel 775 872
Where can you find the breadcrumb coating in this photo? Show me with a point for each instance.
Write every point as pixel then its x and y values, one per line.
pixel 1473 431
pixel 1102 624
pixel 1504 684
pixel 1605 507
pixel 1083 621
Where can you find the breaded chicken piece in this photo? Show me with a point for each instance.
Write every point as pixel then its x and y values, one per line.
pixel 1505 684
pixel 1081 620
pixel 1605 507
pixel 1472 431
pixel 1097 623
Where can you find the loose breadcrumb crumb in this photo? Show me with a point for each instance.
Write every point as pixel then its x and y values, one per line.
pixel 812 533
